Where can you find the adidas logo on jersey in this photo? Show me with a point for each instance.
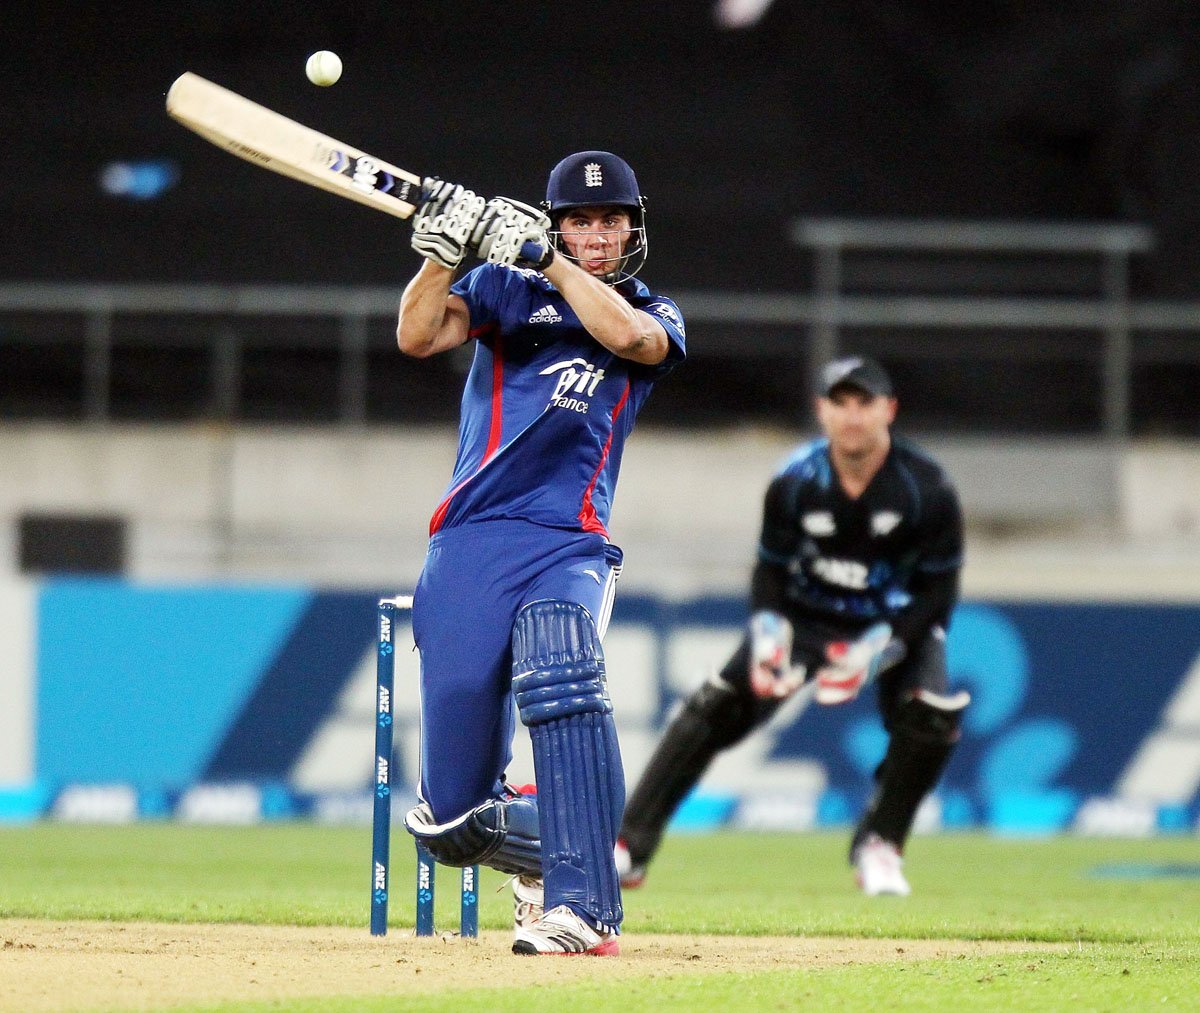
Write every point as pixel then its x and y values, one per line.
pixel 546 315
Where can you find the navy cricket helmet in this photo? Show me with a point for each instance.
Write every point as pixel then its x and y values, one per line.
pixel 599 179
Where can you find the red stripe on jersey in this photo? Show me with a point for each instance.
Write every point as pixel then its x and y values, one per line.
pixel 587 512
pixel 495 428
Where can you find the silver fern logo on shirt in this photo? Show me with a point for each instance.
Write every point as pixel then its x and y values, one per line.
pixel 575 377
pixel 884 522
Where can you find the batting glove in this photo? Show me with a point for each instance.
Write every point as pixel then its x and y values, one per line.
pixel 509 232
pixel 444 222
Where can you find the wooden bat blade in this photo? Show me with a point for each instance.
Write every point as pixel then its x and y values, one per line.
pixel 273 141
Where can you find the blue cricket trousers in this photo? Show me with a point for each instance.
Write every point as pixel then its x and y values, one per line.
pixel 476 578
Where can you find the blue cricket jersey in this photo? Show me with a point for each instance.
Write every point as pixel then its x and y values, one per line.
pixel 546 409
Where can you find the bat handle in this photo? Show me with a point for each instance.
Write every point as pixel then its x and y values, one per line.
pixel 534 253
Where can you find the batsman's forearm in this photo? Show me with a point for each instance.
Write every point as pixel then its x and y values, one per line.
pixel 609 319
pixel 422 327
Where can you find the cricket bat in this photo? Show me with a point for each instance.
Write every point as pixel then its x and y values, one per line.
pixel 273 141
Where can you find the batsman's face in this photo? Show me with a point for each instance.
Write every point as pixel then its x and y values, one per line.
pixel 856 422
pixel 596 237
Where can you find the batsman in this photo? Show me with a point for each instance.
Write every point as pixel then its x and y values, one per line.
pixel 857 575
pixel 518 583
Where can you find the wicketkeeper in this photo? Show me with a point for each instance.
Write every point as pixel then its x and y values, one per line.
pixel 519 579
pixel 857 574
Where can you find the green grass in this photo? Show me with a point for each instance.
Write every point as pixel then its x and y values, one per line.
pixel 1133 942
pixel 1075 982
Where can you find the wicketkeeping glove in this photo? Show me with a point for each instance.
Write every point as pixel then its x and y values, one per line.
pixel 771 672
pixel 855 663
pixel 505 228
pixel 443 224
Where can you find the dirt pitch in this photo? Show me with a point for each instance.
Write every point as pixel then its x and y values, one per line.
pixel 89 965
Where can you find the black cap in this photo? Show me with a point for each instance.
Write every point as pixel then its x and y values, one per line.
pixel 856 371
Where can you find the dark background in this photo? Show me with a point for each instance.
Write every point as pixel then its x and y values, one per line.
pixel 1064 111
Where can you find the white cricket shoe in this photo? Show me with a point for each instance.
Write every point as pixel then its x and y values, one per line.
pixel 561 932
pixel 878 868
pixel 527 901
pixel 631 876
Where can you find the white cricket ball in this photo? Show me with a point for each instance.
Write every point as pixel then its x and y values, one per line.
pixel 324 68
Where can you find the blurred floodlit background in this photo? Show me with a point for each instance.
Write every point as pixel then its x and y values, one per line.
pixel 201 400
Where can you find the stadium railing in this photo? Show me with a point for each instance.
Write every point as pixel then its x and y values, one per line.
pixel 943 299
pixel 973 274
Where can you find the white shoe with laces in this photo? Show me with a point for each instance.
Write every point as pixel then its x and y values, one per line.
pixel 878 868
pixel 527 901
pixel 561 932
